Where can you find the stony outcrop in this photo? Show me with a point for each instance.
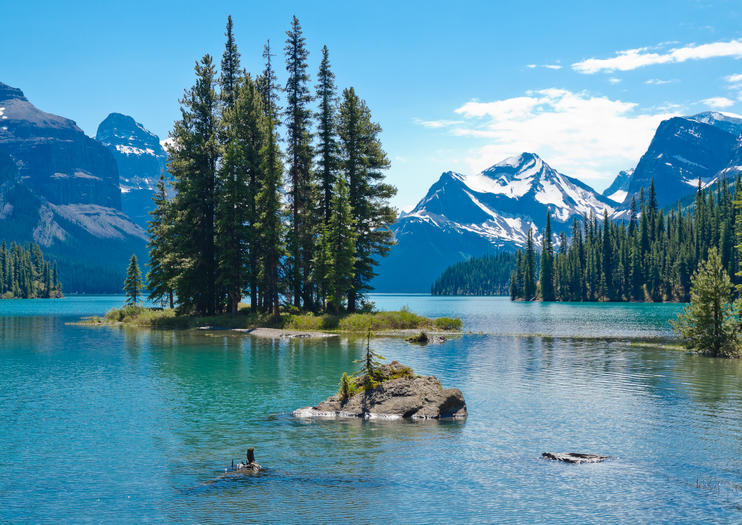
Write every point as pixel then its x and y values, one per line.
pixel 574 457
pixel 403 395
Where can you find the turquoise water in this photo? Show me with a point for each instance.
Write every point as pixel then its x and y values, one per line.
pixel 122 425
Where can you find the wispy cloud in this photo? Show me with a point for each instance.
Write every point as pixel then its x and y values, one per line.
pixel 547 66
pixel 585 136
pixel 631 59
pixel 436 124
pixel 614 80
pixel 734 79
pixel 718 102
pixel 658 81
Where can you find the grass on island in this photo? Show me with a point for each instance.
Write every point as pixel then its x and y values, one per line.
pixel 135 315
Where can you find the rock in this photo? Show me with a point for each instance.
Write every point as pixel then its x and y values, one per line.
pixel 404 396
pixel 249 466
pixel 574 457
pixel 423 338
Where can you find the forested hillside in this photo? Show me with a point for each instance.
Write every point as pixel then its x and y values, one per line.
pixel 24 273
pixel 650 257
pixel 485 275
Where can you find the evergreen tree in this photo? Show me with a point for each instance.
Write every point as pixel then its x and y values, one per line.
pixel 269 223
pixel 338 247
pixel 299 154
pixel 133 282
pixel 327 148
pixel 546 280
pixel 241 175
pixel 709 324
pixel 362 163
pixel 25 274
pixel 230 74
pixel 529 268
pixel 162 264
pixel 193 165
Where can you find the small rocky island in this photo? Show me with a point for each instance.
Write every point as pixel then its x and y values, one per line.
pixel 390 391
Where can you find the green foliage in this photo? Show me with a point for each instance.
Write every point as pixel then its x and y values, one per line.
pixel 338 249
pixel 25 274
pixel 162 263
pixel 485 275
pixel 225 232
pixel 133 283
pixel 362 163
pixel 301 187
pixel 347 387
pixel 649 258
pixel 370 365
pixel 448 323
pixel 709 324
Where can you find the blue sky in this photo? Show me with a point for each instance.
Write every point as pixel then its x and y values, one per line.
pixel 455 86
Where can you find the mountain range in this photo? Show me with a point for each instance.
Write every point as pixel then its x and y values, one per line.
pixel 61 189
pixel 86 201
pixel 462 216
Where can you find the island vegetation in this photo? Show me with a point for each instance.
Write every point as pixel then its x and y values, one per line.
pixel 26 274
pixel 235 226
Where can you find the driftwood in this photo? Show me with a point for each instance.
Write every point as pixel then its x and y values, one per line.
pixel 574 457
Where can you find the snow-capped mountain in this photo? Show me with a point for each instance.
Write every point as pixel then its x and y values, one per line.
pixel 468 215
pixel 618 190
pixel 60 189
pixel 684 150
pixel 140 158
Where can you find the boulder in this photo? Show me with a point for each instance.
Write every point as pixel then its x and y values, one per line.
pixel 574 457
pixel 403 395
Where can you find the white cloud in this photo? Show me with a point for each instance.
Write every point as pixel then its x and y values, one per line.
pixel 614 80
pixel 584 136
pixel 718 102
pixel 435 124
pixel 658 81
pixel 631 59
pixel 547 66
pixel 734 79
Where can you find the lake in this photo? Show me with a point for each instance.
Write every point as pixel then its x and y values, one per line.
pixel 105 424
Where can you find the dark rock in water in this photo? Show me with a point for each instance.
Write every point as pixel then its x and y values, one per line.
pixel 405 395
pixel 424 338
pixel 574 457
pixel 249 466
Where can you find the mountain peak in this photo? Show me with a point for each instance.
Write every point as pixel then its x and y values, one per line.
pixel 10 93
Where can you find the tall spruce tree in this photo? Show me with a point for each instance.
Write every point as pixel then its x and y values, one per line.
pixel 529 267
pixel 133 282
pixel 546 279
pixel 362 162
pixel 162 262
pixel 230 70
pixel 299 155
pixel 338 247
pixel 269 225
pixel 327 148
pixel 193 165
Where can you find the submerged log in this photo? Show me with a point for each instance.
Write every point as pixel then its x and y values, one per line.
pixel 574 457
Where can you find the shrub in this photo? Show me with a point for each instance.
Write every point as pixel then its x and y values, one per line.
pixel 448 323
pixel 347 387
